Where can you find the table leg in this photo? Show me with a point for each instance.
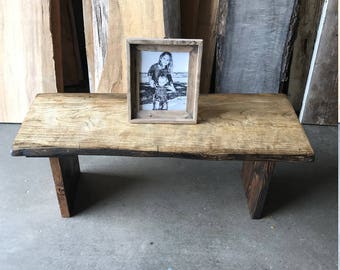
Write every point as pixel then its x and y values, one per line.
pixel 65 172
pixel 256 177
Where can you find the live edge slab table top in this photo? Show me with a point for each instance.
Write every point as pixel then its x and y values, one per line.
pixel 259 129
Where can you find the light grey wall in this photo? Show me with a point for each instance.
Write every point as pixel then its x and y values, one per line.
pixel 255 38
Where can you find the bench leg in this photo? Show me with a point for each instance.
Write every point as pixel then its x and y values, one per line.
pixel 66 173
pixel 256 177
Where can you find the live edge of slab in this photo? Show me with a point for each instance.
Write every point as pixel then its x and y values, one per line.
pixel 259 129
pixel 230 126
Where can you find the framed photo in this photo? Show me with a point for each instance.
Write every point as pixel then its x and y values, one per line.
pixel 163 80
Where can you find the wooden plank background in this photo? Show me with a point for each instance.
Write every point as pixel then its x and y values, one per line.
pixel 247 48
pixel 72 67
pixel 321 98
pixel 26 52
pixel 198 20
pixel 309 17
pixel 251 54
pixel 107 25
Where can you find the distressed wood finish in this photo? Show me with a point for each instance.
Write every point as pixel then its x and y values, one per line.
pixel 288 48
pixel 221 29
pixel 259 129
pixel 198 20
pixel 172 18
pixel 250 45
pixel 308 20
pixel 72 69
pixel 134 47
pixel 233 126
pixel 189 17
pixel 256 178
pixel 89 42
pixel 107 25
pixel 65 172
pixel 321 97
pixel 56 31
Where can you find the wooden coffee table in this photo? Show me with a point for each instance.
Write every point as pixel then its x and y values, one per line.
pixel 260 129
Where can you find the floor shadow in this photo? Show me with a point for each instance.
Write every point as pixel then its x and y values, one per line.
pixel 94 188
pixel 290 185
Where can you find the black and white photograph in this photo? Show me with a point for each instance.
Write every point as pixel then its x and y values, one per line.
pixel 163 80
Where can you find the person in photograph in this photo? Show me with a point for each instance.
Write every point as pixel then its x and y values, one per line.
pixel 160 79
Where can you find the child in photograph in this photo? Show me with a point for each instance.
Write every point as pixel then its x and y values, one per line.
pixel 161 94
pixel 160 79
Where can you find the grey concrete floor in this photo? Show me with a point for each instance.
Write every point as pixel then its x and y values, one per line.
pixel 162 213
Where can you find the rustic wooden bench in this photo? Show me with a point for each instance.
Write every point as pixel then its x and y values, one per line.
pixel 259 129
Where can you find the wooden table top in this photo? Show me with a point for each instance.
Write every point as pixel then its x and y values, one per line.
pixel 230 126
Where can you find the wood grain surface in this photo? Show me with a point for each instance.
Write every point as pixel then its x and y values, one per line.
pixel 27 65
pixel 249 55
pixel 66 173
pixel 308 17
pixel 321 100
pixel 256 178
pixel 198 20
pixel 89 42
pixel 107 25
pixel 72 69
pixel 57 41
pixel 230 126
pixel 221 29
pixel 288 48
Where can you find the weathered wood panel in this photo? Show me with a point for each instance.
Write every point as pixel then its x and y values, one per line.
pixel 199 20
pixel 89 43
pixel 107 25
pixel 189 17
pixel 321 96
pixel 247 127
pixel 256 178
pixel 251 55
pixel 220 37
pixel 56 32
pixel 288 49
pixel 308 17
pixel 72 69
pixel 66 173
pixel 100 9
pixel 26 52
pixel 172 18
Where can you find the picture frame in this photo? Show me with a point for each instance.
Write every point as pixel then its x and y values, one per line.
pixel 163 80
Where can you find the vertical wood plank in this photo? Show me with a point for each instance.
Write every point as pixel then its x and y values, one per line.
pixel 249 58
pixel 221 29
pixel 288 48
pixel 65 172
pixel 206 30
pixel 72 69
pixel 124 19
pixel 256 178
pixel 57 44
pixel 172 18
pixel 100 16
pixel 189 18
pixel 27 65
pixel 89 43
pixel 321 96
pixel 308 20
pixel 199 20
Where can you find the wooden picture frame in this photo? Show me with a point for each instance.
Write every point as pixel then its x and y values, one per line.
pixel 163 80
